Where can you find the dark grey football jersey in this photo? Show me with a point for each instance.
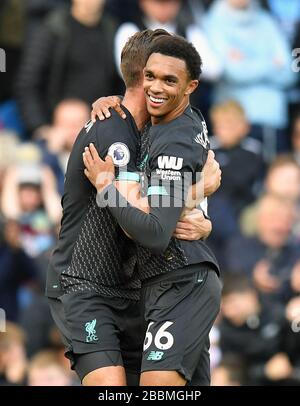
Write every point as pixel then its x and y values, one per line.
pixel 92 252
pixel 174 149
pixel 175 156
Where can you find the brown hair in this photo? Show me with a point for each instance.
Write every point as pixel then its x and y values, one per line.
pixel 135 54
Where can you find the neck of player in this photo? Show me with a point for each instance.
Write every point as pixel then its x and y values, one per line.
pixel 134 101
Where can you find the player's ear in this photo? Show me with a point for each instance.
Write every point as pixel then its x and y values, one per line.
pixel 191 87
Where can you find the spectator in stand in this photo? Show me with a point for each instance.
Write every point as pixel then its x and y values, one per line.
pixel 68 119
pixel 254 332
pixel 37 323
pixel 254 73
pixel 71 56
pixel 242 170
pixel 30 197
pixel 12 23
pixel 13 362
pixel 287 13
pixel 238 155
pixel 17 269
pixel 36 12
pixel 28 184
pixel 12 27
pixel 128 10
pixel 45 369
pixel 270 256
pixel 168 15
pixel 282 180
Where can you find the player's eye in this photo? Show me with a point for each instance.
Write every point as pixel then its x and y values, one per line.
pixel 149 75
pixel 171 81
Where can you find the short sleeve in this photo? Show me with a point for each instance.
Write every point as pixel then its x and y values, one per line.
pixel 116 138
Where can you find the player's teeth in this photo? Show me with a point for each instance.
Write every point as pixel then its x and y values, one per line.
pixel 156 100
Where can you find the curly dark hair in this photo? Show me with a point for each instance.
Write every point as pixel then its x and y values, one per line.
pixel 178 47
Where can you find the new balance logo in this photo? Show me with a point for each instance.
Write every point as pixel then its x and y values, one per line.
pixel 91 332
pixel 170 162
pixel 155 356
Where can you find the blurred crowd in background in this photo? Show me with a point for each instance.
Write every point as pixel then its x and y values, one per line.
pixel 61 55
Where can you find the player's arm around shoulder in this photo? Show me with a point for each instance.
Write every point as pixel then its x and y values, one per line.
pixel 101 173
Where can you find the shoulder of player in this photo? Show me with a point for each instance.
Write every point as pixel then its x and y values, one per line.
pixel 178 143
pixel 187 130
pixel 114 125
pixel 115 121
pixel 168 136
pixel 182 129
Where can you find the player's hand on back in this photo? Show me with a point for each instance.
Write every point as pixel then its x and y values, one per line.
pixel 209 182
pixel 101 108
pixel 211 174
pixel 100 172
pixel 193 226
